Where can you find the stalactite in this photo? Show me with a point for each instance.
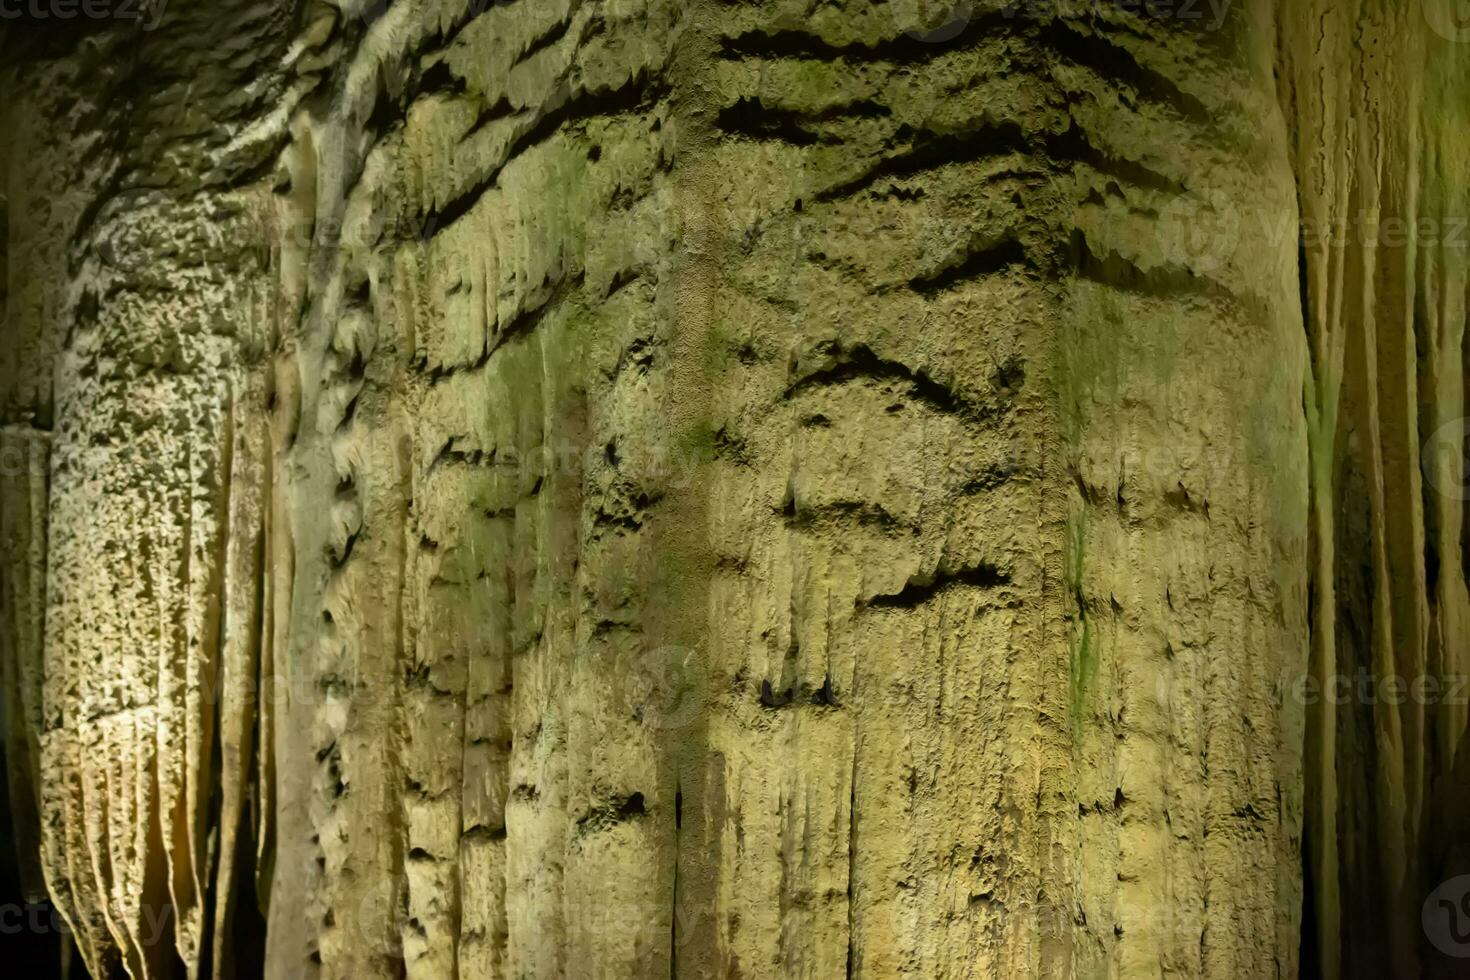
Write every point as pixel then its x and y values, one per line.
pixel 773 489
pixel 25 458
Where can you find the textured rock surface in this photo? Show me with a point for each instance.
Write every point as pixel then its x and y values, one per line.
pixel 640 488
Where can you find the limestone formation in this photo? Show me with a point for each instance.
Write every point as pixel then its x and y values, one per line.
pixel 737 488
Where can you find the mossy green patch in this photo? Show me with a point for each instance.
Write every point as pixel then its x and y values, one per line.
pixel 694 445
pixel 1089 358
pixel 719 350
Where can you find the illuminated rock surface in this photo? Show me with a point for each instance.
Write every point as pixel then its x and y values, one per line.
pixel 695 488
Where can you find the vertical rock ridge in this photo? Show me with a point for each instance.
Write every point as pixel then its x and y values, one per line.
pixel 626 489
pixel 23 496
pixel 1380 215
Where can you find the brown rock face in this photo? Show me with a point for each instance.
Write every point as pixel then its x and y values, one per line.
pixel 738 488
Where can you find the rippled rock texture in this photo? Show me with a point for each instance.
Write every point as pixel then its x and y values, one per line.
pixel 737 488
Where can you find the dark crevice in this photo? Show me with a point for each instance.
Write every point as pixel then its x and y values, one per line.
pixel 521 324
pixel 929 150
pixel 674 886
pixel 1120 272
pixel 752 118
pixel 922 587
pixel 440 79
pixel 622 279
pixel 637 94
pixel 1465 458
pixel 450 453
pixel 619 521
pixel 987 260
pixel 1074 145
pixel 989 478
pixel 472 10
pixel 1085 490
pixel 371 13
pixel 798 516
pixel 1423 356
pixel 485 833
pixel 386 115
pixel 859 361
pixel 1009 374
pixel 340 556
pixel 494 112
pixel 823 695
pixel 1119 66
pixel 616 811
pixel 557 32
pixel 527 320
pixel 916 47
pixel 1180 499
pixel 770 698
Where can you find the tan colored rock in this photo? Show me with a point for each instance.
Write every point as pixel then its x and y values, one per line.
pixel 626 488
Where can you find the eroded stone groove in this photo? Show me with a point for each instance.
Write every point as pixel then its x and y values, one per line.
pixel 636 488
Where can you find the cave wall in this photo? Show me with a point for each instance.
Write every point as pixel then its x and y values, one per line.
pixel 626 488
